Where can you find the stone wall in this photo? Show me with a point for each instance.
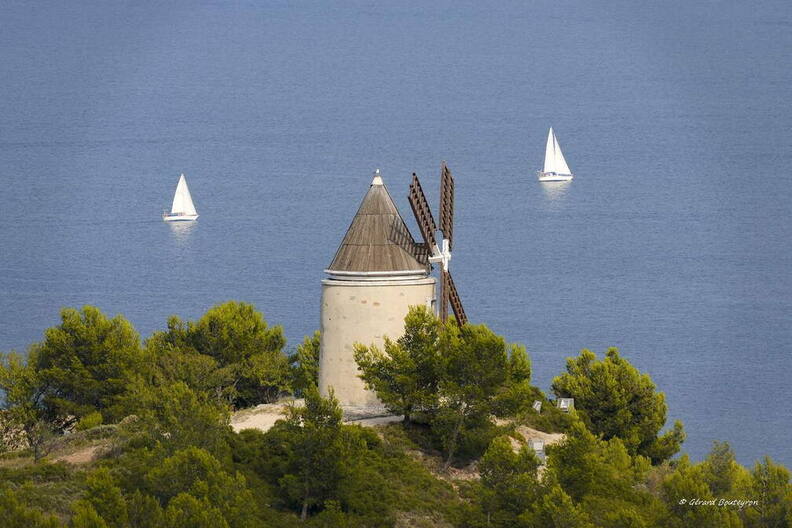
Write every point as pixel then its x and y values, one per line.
pixel 362 312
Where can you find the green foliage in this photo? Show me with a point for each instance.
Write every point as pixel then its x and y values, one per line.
pixel 175 417
pixel 14 514
pixel 200 372
pixel 25 423
pixel 318 448
pixel 517 394
pixel 186 469
pixel 230 351
pixel 376 480
pixel 89 421
pixel 331 517
pixel 232 332
pixel 85 516
pixel 81 369
pixel 770 486
pixel 509 484
pixel 589 482
pixel 405 376
pixel 689 482
pixel 186 511
pixel 665 446
pixel 551 419
pixel 304 365
pixel 599 483
pixel 556 510
pixel 617 401
pixel 453 377
pixel 144 511
pixel 44 486
pixel 37 473
pixel 501 465
pixel 721 470
pixel 105 498
pixel 173 461
pixel 473 371
pixel 196 474
pixel 519 366
pixel 586 465
pixel 188 488
pixel 84 363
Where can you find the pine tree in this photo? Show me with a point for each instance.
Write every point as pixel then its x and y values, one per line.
pixel 615 400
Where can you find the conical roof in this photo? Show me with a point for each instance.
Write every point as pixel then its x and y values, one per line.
pixel 377 240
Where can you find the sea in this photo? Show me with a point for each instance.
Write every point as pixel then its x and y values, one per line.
pixel 672 243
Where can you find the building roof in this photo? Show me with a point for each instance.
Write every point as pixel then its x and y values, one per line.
pixel 377 239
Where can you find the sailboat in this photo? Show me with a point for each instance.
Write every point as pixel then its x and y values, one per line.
pixel 555 166
pixel 183 208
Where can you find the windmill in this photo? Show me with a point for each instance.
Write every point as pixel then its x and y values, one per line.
pixel 438 254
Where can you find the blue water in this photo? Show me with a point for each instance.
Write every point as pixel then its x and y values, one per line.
pixel 673 241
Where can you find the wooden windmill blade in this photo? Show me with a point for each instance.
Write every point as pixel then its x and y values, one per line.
pixel 426 223
pixel 422 212
pixel 450 294
pixel 447 204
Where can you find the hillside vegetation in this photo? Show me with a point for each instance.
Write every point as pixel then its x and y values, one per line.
pixel 100 430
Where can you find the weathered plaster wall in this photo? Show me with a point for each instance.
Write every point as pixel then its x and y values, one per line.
pixel 362 312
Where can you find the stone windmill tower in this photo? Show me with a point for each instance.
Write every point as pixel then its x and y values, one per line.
pixel 375 276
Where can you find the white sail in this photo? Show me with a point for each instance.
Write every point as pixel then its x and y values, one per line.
pixel 561 166
pixel 182 201
pixel 554 158
pixel 550 152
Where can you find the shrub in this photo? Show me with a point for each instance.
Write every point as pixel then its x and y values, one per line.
pixel 89 421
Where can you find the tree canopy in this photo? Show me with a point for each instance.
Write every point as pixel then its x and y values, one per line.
pixel 85 363
pixel 615 400
pixel 304 364
pixel 449 376
pixel 230 350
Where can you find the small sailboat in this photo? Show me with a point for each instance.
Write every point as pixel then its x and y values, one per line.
pixel 555 166
pixel 183 208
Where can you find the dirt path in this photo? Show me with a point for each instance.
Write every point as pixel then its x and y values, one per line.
pixel 82 456
pixel 263 417
pixel 532 434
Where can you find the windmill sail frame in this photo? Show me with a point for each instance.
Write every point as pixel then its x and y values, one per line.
pixel 427 226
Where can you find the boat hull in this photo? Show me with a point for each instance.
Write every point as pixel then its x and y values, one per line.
pixel 553 177
pixel 178 217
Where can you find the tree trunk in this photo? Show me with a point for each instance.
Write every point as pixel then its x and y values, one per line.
pixel 453 443
pixel 34 439
pixel 304 513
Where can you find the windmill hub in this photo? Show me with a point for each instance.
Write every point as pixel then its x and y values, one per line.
pixel 441 256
